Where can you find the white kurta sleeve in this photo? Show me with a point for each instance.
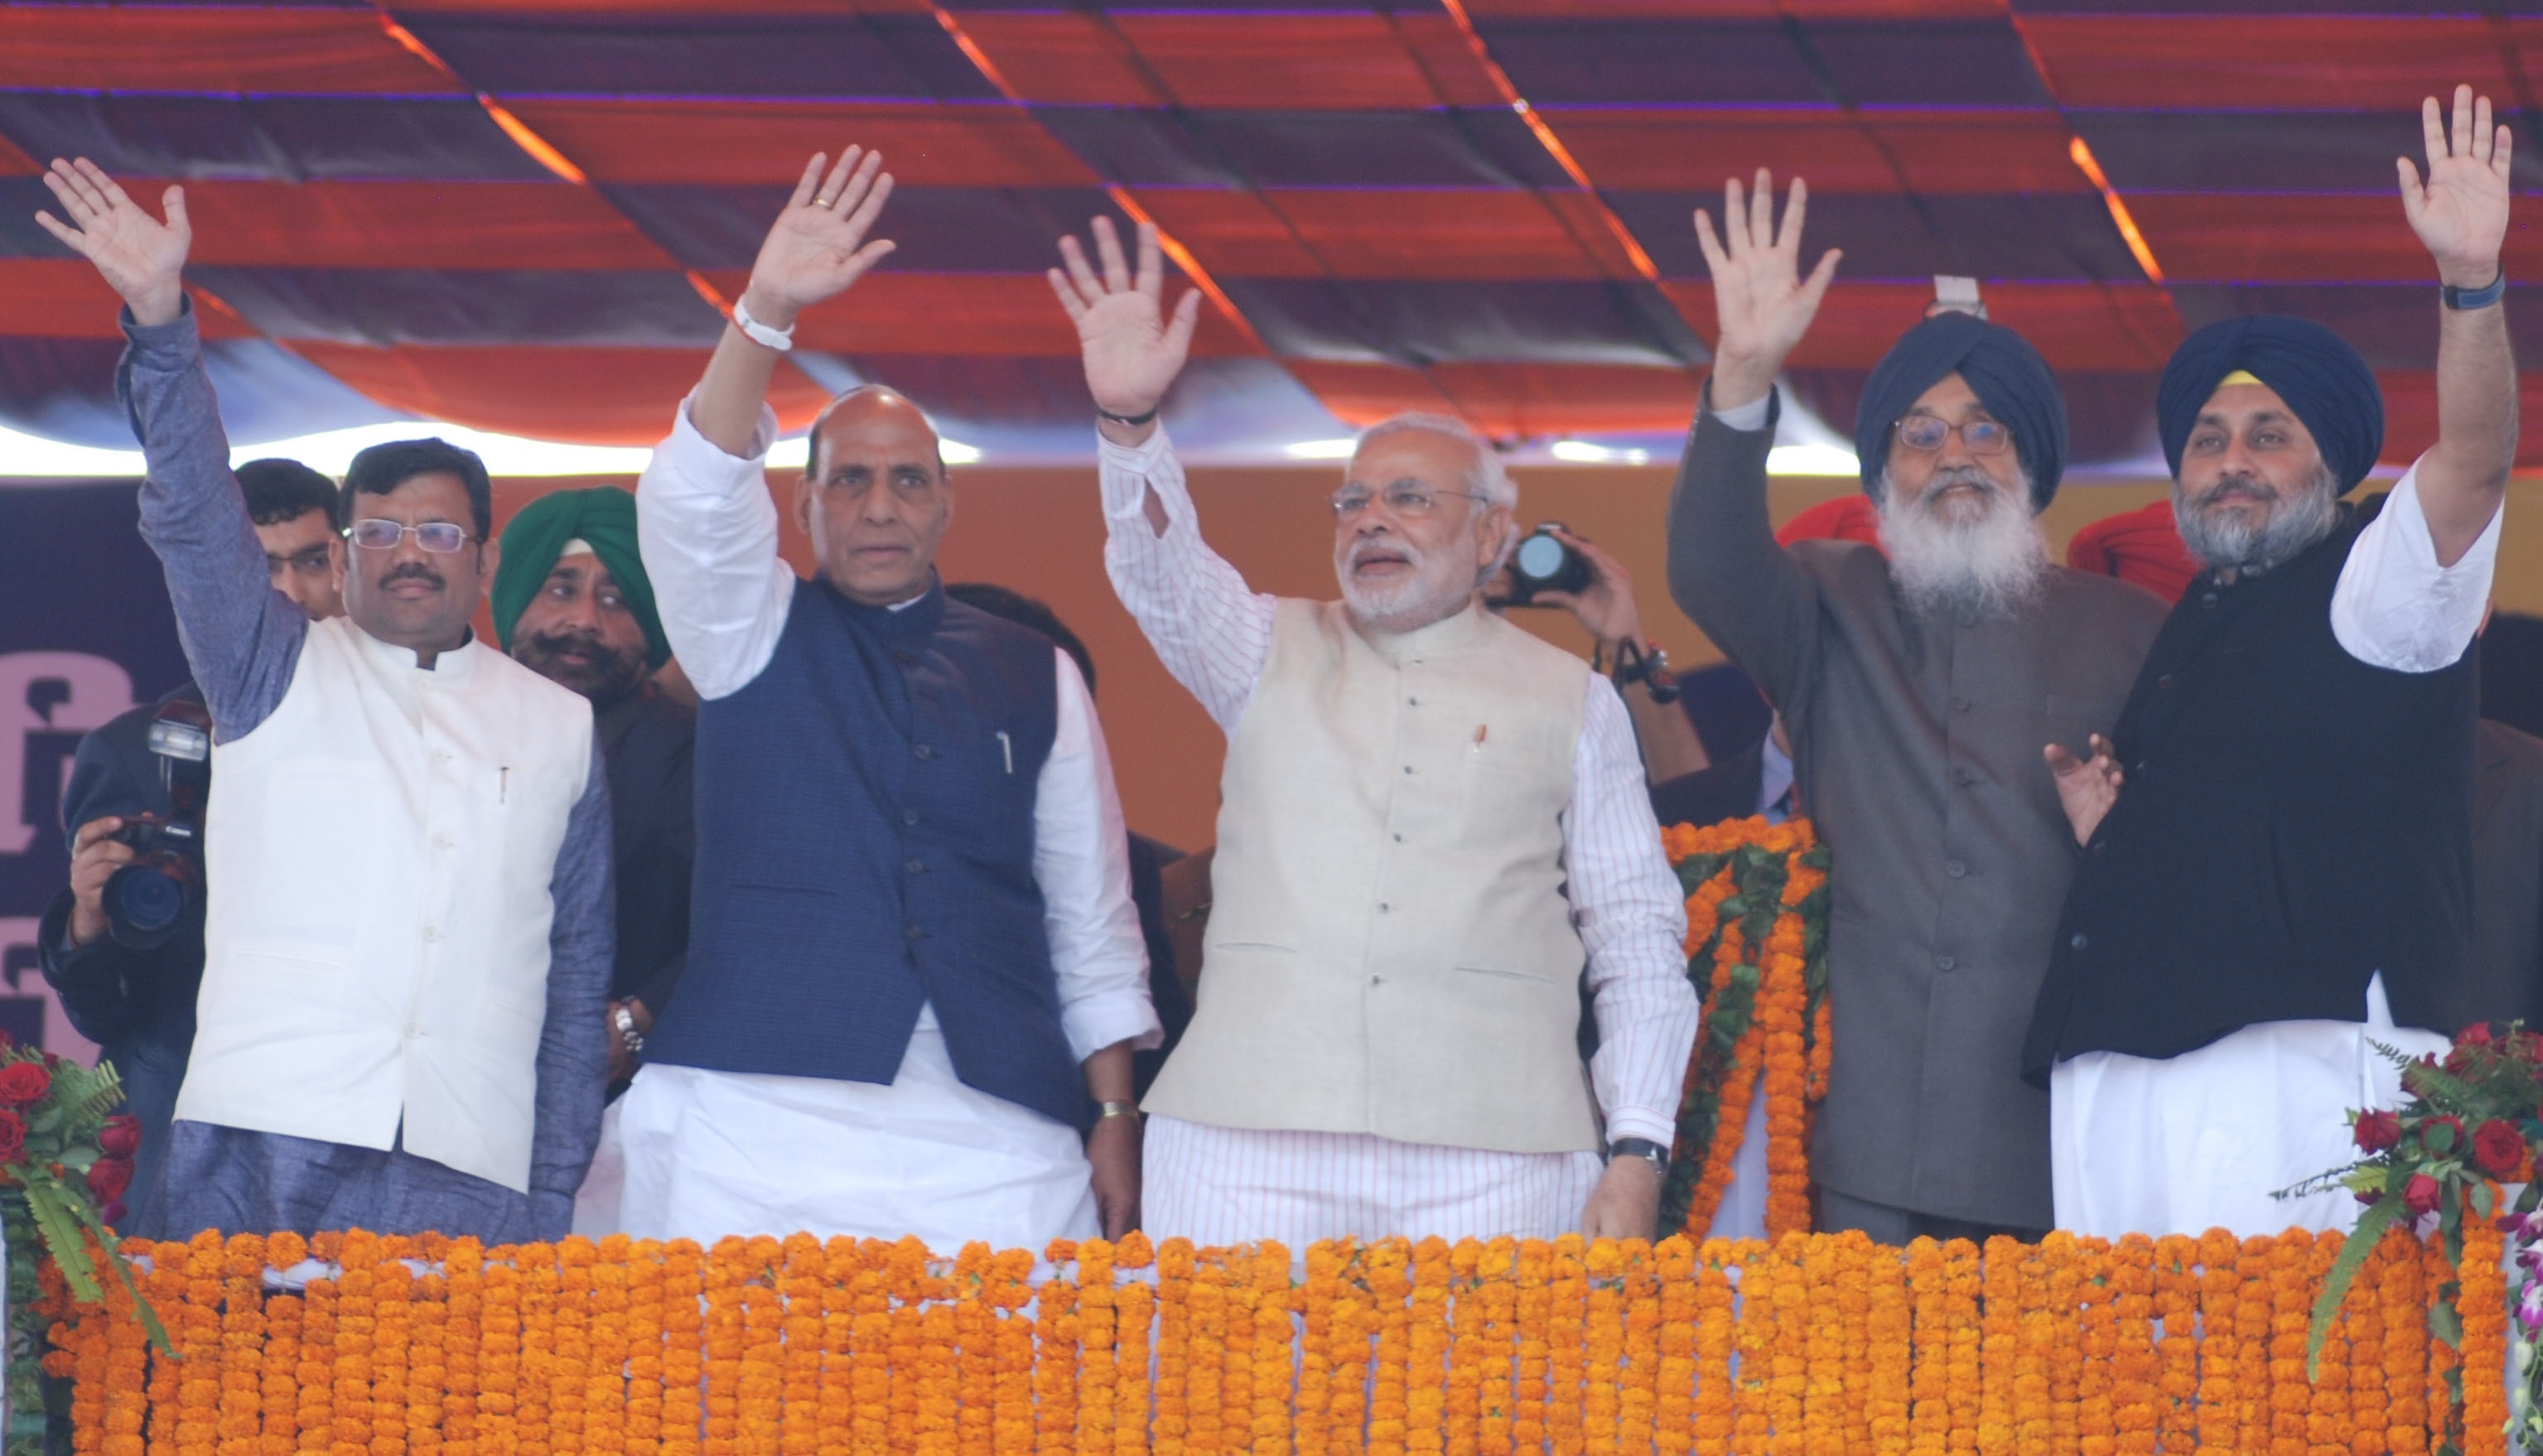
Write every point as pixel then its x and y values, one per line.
pixel 708 532
pixel 2395 607
pixel 1211 632
pixel 1632 918
pixel 1082 864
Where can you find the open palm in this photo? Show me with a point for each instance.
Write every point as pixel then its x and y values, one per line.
pixel 1760 297
pixel 142 257
pixel 2461 212
pixel 816 248
pixel 1133 349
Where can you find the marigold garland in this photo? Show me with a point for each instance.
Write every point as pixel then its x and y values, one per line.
pixel 1756 952
pixel 1814 1343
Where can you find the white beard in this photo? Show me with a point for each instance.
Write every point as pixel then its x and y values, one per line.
pixel 1437 588
pixel 1994 567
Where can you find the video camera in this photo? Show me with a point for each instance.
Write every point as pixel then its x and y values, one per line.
pixel 146 900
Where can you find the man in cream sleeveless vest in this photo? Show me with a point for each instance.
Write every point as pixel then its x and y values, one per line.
pixel 409 935
pixel 1431 823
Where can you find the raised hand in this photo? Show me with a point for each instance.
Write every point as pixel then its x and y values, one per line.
pixel 1763 301
pixel 1133 350
pixel 2461 212
pixel 2086 787
pixel 817 247
pixel 140 257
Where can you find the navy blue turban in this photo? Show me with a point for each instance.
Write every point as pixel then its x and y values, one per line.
pixel 2010 378
pixel 2323 380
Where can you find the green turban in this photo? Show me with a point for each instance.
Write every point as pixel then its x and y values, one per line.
pixel 603 518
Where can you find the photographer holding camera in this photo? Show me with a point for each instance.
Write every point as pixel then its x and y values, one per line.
pixel 136 1001
pixel 1553 567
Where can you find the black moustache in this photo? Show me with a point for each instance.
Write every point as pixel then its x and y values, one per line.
pixel 411 574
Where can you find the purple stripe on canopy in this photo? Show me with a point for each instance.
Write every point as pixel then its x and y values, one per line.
pixel 64 389
pixel 1626 62
pixel 2009 237
pixel 1038 409
pixel 937 229
pixel 382 307
pixel 1464 148
pixel 1415 323
pixel 272 138
pixel 2387 321
pixel 2262 152
pixel 1972 63
pixel 706 53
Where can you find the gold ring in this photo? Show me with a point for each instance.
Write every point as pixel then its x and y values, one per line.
pixel 825 201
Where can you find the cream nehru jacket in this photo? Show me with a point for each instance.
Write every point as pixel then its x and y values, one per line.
pixel 1389 949
pixel 376 938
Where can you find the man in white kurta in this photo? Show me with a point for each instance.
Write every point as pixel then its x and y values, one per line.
pixel 2276 846
pixel 1432 825
pixel 915 975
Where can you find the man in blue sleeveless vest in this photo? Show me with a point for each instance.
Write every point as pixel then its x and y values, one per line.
pixel 915 976
pixel 2276 862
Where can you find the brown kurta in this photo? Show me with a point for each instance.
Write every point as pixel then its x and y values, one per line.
pixel 1917 749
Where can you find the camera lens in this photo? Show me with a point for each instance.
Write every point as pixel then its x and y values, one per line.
pixel 1540 558
pixel 143 906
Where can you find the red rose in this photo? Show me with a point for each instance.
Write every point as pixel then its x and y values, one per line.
pixel 21 1083
pixel 2376 1131
pixel 2441 1138
pixel 108 1178
pixel 2420 1195
pixel 13 1136
pixel 121 1135
pixel 2476 1035
pixel 2497 1148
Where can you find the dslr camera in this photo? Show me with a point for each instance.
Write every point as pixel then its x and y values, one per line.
pixel 1542 562
pixel 147 899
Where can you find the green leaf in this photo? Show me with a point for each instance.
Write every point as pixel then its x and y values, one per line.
pixel 2446 1322
pixel 2344 1270
pixel 2482 1203
pixel 122 1267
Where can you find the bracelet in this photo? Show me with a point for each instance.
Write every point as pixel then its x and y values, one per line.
pixel 2464 300
pixel 1130 1109
pixel 780 339
pixel 1135 419
pixel 628 1036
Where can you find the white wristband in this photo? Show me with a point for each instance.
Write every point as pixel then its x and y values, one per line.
pixel 780 339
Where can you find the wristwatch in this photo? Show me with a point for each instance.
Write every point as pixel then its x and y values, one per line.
pixel 1643 1148
pixel 1130 1109
pixel 2464 300
pixel 625 1020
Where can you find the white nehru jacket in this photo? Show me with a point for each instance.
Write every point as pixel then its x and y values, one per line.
pixel 376 940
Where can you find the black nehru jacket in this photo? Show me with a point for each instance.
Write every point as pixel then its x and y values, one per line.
pixel 2294 821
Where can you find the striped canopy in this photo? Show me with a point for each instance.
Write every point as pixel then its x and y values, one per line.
pixel 523 216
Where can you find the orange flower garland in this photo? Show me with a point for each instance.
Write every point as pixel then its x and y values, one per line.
pixel 1761 976
pixel 1571 1346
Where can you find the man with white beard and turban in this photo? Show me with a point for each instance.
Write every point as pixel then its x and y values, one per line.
pixel 1920 690
pixel 1432 825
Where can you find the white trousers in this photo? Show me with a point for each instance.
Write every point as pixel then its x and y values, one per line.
pixel 707 1154
pixel 2180 1145
pixel 1240 1186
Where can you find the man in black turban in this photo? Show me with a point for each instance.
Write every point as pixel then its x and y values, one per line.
pixel 2277 836
pixel 1918 680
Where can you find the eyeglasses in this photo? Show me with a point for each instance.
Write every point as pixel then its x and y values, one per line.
pixel 1403 500
pixel 1926 433
pixel 438 537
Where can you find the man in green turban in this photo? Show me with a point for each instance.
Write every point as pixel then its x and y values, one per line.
pixel 573 603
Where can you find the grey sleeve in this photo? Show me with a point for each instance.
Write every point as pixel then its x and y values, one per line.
pixel 1727 570
pixel 573 1057
pixel 241 637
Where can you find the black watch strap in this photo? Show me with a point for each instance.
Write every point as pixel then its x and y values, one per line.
pixel 1639 1147
pixel 1130 419
pixel 2464 300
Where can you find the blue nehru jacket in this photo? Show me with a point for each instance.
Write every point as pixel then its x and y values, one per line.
pixel 864 846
